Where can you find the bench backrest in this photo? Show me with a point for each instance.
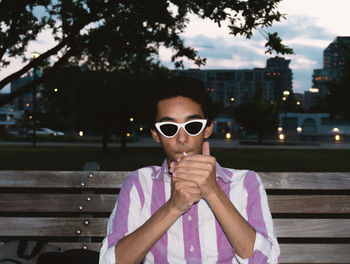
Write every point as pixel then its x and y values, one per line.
pixel 70 209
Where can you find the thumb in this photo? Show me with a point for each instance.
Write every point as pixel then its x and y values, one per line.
pixel 206 148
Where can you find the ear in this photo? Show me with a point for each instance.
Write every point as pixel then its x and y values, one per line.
pixel 208 130
pixel 155 135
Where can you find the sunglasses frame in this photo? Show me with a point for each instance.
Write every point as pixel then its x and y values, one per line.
pixel 159 124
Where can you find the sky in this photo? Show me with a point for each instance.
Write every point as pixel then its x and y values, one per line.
pixel 310 26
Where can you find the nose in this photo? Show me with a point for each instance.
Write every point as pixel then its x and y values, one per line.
pixel 181 136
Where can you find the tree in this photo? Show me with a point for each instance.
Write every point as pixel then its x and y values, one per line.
pixel 339 91
pixel 117 34
pixel 102 102
pixel 257 115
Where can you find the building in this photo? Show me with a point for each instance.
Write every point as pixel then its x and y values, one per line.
pixel 320 78
pixel 333 63
pixel 313 125
pixel 24 102
pixel 333 57
pixel 278 76
pixel 8 116
pixel 234 86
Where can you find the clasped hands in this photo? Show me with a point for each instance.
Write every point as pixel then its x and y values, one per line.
pixel 193 178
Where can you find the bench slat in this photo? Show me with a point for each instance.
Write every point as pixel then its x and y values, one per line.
pixel 115 179
pixel 315 253
pixel 314 204
pixel 290 253
pixel 313 228
pixel 99 203
pixel 62 179
pixel 41 226
pixel 77 245
pixel 104 203
pixel 306 180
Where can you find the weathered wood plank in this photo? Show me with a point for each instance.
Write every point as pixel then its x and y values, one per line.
pixel 315 253
pixel 77 245
pixel 290 253
pixel 313 228
pixel 62 179
pixel 114 179
pixel 73 245
pixel 40 226
pixel 15 202
pixel 306 180
pixel 321 204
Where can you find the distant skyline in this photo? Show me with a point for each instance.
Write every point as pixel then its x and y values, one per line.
pixel 310 26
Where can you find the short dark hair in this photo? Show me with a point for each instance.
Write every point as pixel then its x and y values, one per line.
pixel 186 87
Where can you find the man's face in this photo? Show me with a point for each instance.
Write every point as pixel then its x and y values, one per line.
pixel 180 109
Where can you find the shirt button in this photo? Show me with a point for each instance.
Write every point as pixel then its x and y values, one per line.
pixel 191 248
pixel 189 218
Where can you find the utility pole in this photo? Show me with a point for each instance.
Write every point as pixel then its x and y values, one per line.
pixel 34 55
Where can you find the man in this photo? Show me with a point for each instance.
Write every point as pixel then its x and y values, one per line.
pixel 189 210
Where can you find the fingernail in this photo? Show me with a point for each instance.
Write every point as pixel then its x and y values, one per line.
pixel 178 159
pixel 171 169
pixel 172 164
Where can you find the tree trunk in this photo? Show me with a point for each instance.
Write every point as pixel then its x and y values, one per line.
pixel 123 141
pixel 105 141
pixel 123 128
pixel 106 130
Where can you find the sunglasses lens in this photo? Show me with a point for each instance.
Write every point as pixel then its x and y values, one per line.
pixel 168 129
pixel 193 128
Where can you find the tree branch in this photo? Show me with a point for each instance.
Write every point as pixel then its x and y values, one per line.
pixel 7 98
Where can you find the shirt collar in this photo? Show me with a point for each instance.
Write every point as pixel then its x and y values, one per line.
pixel 224 174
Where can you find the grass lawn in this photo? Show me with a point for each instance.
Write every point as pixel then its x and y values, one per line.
pixel 73 158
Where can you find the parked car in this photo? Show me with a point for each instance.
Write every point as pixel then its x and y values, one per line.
pixel 44 131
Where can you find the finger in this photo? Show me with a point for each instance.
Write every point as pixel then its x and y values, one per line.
pixel 197 178
pixel 205 163
pixel 206 148
pixel 194 158
pixel 188 173
pixel 184 182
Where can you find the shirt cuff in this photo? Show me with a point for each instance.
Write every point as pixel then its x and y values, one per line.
pixel 107 255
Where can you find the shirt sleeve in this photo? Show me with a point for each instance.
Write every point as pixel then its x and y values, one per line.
pixel 124 219
pixel 266 248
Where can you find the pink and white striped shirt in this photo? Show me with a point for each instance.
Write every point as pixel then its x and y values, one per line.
pixel 196 237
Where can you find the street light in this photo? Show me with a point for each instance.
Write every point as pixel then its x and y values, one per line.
pixel 286 93
pixel 34 55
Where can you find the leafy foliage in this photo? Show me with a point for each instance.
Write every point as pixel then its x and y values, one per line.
pixel 257 116
pixel 116 34
pixel 274 43
pixel 99 101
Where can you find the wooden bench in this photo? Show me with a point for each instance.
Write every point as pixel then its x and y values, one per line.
pixel 70 209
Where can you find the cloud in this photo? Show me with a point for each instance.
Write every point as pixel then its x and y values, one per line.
pixel 332 16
